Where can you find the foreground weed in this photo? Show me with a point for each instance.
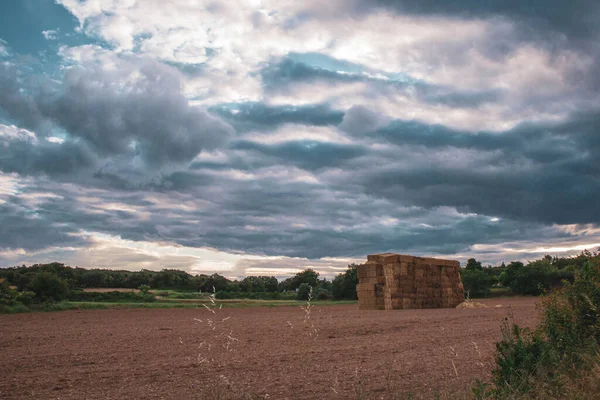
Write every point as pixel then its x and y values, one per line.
pixel 313 332
pixel 221 338
pixel 214 351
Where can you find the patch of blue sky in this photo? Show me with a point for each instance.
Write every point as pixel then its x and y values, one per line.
pixel 36 29
pixel 328 63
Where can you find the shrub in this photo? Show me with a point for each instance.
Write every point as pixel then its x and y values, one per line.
pixel 322 294
pixel 519 355
pixel 49 287
pixel 144 289
pixel 532 279
pixel 304 291
pixel 27 298
pixel 7 295
pixel 13 309
pixel 561 357
pixel 476 282
pixel 344 285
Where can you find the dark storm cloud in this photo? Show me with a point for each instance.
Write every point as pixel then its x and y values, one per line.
pixel 18 106
pixel 279 218
pixel 531 177
pixel 24 228
pixel 255 116
pixel 576 19
pixel 150 115
pixel 544 173
pixel 27 158
pixel 306 154
pixel 116 115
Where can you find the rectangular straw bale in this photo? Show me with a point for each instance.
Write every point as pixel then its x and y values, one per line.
pixel 406 259
pixel 376 279
pixel 397 281
pixel 384 258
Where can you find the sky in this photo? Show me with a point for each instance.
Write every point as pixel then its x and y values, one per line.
pixel 262 137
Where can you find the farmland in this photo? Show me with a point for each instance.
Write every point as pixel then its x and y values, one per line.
pixel 282 352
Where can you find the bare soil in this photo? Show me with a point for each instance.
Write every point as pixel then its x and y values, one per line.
pixel 336 352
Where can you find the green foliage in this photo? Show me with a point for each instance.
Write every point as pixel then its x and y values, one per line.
pixel 304 291
pixel 343 286
pixel 476 282
pixel 308 276
pixel 511 272
pixel 212 284
pixel 13 309
pixel 144 289
pixel 256 295
pixel 519 356
pixel 47 286
pixel 7 295
pixel 115 296
pixel 559 357
pixel 259 284
pixel 182 295
pixel 572 314
pixel 537 278
pixel 473 264
pixel 26 298
pixel 532 279
pixel 321 293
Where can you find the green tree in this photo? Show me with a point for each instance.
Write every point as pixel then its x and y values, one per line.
pixel 344 285
pixel 473 264
pixel 533 279
pixel 511 272
pixel 7 295
pixel 215 283
pixel 476 282
pixel 49 287
pixel 253 284
pixel 307 276
pixel 304 291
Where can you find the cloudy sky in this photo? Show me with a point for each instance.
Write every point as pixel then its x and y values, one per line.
pixel 264 136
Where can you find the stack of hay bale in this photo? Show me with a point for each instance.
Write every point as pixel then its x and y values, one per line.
pixel 395 281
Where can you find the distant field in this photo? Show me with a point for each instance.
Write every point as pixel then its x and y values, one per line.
pixel 105 290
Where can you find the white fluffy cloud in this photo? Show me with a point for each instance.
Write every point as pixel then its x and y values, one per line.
pixel 232 41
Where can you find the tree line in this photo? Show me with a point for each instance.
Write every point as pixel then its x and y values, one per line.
pixel 56 282
pixel 534 278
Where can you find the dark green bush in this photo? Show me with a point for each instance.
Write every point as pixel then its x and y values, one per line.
pixel 25 298
pixel 559 357
pixel 343 286
pixel 7 295
pixel 321 294
pixel 144 289
pixel 49 287
pixel 519 355
pixel 476 283
pixel 532 279
pixel 304 291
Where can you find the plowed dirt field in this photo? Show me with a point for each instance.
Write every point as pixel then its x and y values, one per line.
pixel 333 352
